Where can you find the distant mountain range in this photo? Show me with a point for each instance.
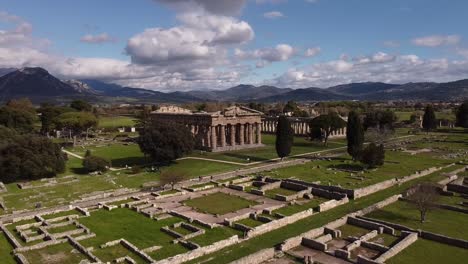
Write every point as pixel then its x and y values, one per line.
pixel 39 86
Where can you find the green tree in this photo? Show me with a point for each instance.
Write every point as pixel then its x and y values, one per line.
pixel 429 122
pixel 328 124
pixel 284 137
pixel 166 141
pixel 94 163
pixel 373 155
pixel 462 115
pixel 382 120
pixel 49 115
pixel 18 119
pixel 354 135
pixel 290 107
pixel 82 106
pixel 28 157
pixel 77 123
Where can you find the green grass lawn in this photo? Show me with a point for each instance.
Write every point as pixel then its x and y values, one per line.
pixel 116 121
pixel 397 164
pixel 250 222
pixel 352 230
pixel 214 235
pixel 109 254
pixel 219 203
pixel 438 221
pixel 121 223
pixel 6 250
pixel 429 252
pixel 301 146
pixel 385 239
pixel 56 254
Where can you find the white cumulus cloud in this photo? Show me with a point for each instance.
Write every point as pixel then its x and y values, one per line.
pixel 436 40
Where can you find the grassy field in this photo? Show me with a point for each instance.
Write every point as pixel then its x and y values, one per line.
pixel 438 221
pixel 218 203
pixel 429 252
pixel 57 254
pixel 116 121
pixel 301 146
pixel 5 250
pixel 397 164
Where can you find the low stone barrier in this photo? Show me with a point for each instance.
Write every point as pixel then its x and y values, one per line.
pixel 10 237
pixel 444 239
pixel 236 187
pixel 206 187
pixel 242 227
pixel 293 186
pixel 40 245
pixel 377 247
pixel 364 260
pixel 255 258
pixel 288 198
pixel 136 251
pixel 230 221
pixel 257 192
pixel 83 250
pixel 271 186
pixel 275 224
pixel 409 239
pixel 318 244
pixel 199 251
pixel 457 186
pixel 370 225
pixel 21 259
pixel 328 194
pixel 332 204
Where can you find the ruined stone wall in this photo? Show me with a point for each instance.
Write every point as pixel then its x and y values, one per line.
pixel 258 257
pixel 332 204
pixel 196 253
pixel 397 248
pixel 275 224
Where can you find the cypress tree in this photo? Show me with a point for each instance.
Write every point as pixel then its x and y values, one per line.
pixel 429 119
pixel 354 135
pixel 462 115
pixel 284 137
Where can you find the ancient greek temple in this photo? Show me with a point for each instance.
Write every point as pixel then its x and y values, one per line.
pixel 231 129
pixel 299 125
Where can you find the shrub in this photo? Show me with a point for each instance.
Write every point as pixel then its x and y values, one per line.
pixel 94 163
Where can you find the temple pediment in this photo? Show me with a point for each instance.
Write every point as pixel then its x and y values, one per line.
pixel 240 111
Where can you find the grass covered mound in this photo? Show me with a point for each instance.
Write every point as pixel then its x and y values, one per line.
pixel 219 203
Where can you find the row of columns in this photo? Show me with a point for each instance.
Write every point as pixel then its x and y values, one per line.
pixel 222 136
pixel 301 128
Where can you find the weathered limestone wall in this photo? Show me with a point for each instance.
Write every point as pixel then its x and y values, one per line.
pixel 258 257
pixel 370 225
pixel 196 253
pixel 397 248
pixel 332 204
pixel 275 224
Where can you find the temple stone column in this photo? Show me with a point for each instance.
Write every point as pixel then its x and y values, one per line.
pixel 249 133
pixel 206 131
pixel 241 134
pixel 214 139
pixel 259 134
pixel 233 135
pixel 223 135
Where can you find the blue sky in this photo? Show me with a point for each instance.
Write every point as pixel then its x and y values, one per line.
pixel 213 44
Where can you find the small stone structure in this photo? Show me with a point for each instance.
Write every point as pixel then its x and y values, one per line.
pixel 233 128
